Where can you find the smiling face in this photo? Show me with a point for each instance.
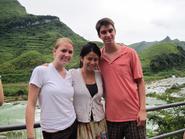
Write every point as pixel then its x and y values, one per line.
pixel 90 61
pixel 107 34
pixel 63 53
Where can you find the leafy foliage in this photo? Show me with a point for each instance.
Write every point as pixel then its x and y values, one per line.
pixel 11 8
pixel 168 61
pixel 162 59
pixel 28 60
pixel 27 41
pixel 167 121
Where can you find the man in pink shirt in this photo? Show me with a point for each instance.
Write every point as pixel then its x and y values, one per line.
pixel 124 86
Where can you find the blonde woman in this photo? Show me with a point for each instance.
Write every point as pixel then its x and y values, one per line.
pixel 52 86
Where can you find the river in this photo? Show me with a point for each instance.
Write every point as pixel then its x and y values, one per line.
pixel 13 113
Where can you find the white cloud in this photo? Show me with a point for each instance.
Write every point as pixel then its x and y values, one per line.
pixel 135 20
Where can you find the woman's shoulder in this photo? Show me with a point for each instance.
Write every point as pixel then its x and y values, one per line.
pixel 75 74
pixel 41 68
pixel 74 71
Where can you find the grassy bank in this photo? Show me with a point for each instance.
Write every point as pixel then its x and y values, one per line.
pixel 15 91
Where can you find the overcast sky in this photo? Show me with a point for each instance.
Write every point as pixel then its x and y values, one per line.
pixel 135 20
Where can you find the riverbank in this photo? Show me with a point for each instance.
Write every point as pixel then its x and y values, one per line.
pixel 161 86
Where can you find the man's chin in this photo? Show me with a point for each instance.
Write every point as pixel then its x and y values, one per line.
pixel 91 69
pixel 108 42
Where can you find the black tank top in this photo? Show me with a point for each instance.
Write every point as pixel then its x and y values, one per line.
pixel 93 89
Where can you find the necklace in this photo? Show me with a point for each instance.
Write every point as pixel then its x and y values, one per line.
pixel 89 78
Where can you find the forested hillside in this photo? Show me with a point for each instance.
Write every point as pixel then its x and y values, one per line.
pixel 163 59
pixel 11 8
pixel 27 40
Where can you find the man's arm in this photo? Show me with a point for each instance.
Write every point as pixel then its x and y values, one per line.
pixel 142 115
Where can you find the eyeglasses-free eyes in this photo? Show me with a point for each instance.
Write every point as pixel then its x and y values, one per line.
pixel 65 51
pixel 103 32
pixel 93 59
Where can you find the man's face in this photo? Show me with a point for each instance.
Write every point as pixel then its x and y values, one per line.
pixel 107 34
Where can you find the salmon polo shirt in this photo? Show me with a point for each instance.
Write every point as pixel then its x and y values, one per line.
pixel 121 91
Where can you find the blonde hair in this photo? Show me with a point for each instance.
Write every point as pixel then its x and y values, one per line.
pixel 60 41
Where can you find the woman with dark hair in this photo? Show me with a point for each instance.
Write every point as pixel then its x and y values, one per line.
pixel 88 92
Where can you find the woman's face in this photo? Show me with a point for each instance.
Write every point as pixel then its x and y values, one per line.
pixel 63 54
pixel 90 61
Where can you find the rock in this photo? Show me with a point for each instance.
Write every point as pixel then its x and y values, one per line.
pixel 160 86
pixel 173 76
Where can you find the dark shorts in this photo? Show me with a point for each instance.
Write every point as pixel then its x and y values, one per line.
pixel 68 133
pixel 129 130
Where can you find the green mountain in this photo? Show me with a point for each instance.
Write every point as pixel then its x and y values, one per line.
pixel 11 8
pixel 27 40
pixel 140 46
pixel 164 58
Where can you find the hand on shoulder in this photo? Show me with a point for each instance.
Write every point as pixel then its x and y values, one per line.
pixel 45 64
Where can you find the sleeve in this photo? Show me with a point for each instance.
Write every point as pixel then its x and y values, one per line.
pixel 136 65
pixel 37 77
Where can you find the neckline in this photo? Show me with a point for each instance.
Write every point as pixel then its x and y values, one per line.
pixel 83 77
pixel 57 72
pixel 84 83
pixel 91 84
pixel 117 55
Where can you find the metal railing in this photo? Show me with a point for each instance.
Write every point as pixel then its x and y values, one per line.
pixel 169 134
pixel 165 106
pixel 37 125
pixel 172 105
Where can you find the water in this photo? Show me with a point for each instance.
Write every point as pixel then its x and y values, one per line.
pixel 14 113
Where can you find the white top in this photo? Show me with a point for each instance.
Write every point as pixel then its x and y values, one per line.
pixel 55 98
pixel 84 103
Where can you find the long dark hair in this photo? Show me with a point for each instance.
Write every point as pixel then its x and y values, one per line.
pixel 87 48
